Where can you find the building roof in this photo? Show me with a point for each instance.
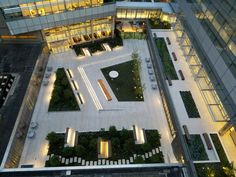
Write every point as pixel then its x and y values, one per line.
pixel 145 5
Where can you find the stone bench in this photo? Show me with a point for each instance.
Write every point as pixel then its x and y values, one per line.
pixel 104 89
pixel 174 56
pixel 207 140
pixel 181 75
pixel 186 132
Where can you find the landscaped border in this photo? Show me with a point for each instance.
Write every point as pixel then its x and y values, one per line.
pixel 196 148
pixel 62 98
pixel 122 145
pixel 127 86
pixel 189 104
pixel 157 23
pixel 166 59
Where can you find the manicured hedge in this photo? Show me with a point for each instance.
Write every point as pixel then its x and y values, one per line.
pixel 189 104
pixel 166 59
pixel 62 98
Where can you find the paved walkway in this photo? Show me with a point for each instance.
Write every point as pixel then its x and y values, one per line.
pixel 148 114
pixel 195 125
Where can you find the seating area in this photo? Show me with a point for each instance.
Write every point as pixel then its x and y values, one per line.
pixel 104 90
pixel 174 56
pixel 168 41
pixel 181 75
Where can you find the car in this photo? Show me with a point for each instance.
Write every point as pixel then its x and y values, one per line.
pixel 154 86
pixel 149 65
pixel 152 78
pixel 150 71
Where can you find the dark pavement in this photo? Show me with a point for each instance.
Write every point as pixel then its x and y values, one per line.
pixel 20 59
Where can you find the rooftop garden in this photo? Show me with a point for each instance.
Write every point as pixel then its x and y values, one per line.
pixel 122 144
pixel 127 86
pixel 62 98
pixel 169 68
pixel 189 104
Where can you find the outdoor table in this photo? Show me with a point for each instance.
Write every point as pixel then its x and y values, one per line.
pixel 33 124
pixel 31 134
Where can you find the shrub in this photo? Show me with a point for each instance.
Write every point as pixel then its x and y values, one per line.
pixel 68 151
pixel 138 160
pixel 80 151
pixel 53 161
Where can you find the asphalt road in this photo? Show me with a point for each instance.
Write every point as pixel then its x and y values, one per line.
pixel 20 59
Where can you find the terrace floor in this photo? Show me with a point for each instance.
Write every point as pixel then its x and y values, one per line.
pixel 97 112
pixel 195 125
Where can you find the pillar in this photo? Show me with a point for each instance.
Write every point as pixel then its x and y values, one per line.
pixel 225 128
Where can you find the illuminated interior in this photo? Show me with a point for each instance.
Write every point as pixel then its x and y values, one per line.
pixel 47 7
pixel 137 13
pixel 61 38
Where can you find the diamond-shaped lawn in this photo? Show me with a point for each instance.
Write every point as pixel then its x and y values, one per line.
pixel 124 85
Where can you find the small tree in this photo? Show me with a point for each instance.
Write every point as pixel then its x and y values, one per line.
pixel 113 132
pixel 68 151
pixel 80 151
pixel 54 161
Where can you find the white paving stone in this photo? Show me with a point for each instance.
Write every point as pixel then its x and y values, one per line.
pixel 89 118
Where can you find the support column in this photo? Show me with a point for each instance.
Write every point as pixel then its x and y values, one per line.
pixel 91 26
pixel 113 26
pixel 225 128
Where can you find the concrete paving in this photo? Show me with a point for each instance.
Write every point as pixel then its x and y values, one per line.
pixel 148 114
pixel 207 122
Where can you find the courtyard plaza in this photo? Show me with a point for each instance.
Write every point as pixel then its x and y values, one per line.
pixel 206 123
pixel 97 112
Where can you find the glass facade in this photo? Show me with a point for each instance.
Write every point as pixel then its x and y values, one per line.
pixel 205 82
pixel 137 13
pixel 61 38
pixel 218 19
pixel 47 7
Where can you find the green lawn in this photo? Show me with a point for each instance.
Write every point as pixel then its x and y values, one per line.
pixel 62 98
pixel 124 85
pixel 166 59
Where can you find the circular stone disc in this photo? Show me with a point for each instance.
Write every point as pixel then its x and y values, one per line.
pixel 113 74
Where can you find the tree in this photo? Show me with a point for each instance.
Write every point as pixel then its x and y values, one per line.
pixel 113 132
pixel 53 138
pixel 115 142
pixel 129 146
pixel 80 151
pixel 68 151
pixel 54 161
